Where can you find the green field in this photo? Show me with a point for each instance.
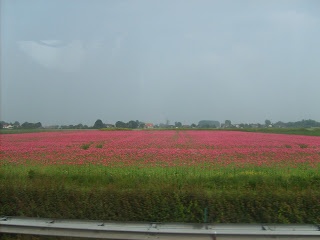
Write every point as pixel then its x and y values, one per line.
pixel 170 195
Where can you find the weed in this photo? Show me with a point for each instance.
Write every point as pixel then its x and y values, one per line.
pixel 303 145
pixel 85 146
pixel 31 174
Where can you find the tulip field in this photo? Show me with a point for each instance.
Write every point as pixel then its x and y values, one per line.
pixel 161 176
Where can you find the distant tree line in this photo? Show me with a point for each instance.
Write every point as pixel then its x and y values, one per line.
pixel 119 124
pixel 299 124
pixel 78 126
pixel 131 124
pixel 140 125
pixel 208 124
pixel 25 125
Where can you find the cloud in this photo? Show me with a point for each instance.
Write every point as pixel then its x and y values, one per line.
pixel 55 54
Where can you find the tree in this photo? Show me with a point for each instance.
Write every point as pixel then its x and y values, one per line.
pixel 279 124
pixel 193 125
pixel 178 124
pixel 132 124
pixel 120 124
pixel 267 122
pixel 79 126
pixel 208 124
pixel 227 123
pixel 1 125
pixel 27 125
pixel 98 124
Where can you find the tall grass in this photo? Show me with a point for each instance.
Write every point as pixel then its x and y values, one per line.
pixel 161 194
pixel 132 178
pixel 169 195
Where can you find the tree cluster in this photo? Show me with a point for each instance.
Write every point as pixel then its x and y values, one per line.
pixel 178 124
pixel 78 126
pixel 267 123
pixel 299 124
pixel 16 124
pixel 208 124
pixel 27 125
pixel 131 124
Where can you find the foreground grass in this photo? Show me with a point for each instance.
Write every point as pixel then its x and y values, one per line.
pixel 86 177
pixel 162 194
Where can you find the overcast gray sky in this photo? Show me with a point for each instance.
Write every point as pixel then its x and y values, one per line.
pixel 69 62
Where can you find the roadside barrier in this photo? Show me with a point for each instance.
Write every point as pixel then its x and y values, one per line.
pixel 140 230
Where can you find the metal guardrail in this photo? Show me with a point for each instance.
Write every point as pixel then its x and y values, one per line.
pixel 133 230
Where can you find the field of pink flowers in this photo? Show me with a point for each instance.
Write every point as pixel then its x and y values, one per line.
pixel 161 176
pixel 149 149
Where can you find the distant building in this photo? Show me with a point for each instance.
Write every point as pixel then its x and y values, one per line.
pixel 223 125
pixel 8 126
pixel 109 125
pixel 148 125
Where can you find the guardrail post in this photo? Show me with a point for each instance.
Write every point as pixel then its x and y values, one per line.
pixel 205 215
